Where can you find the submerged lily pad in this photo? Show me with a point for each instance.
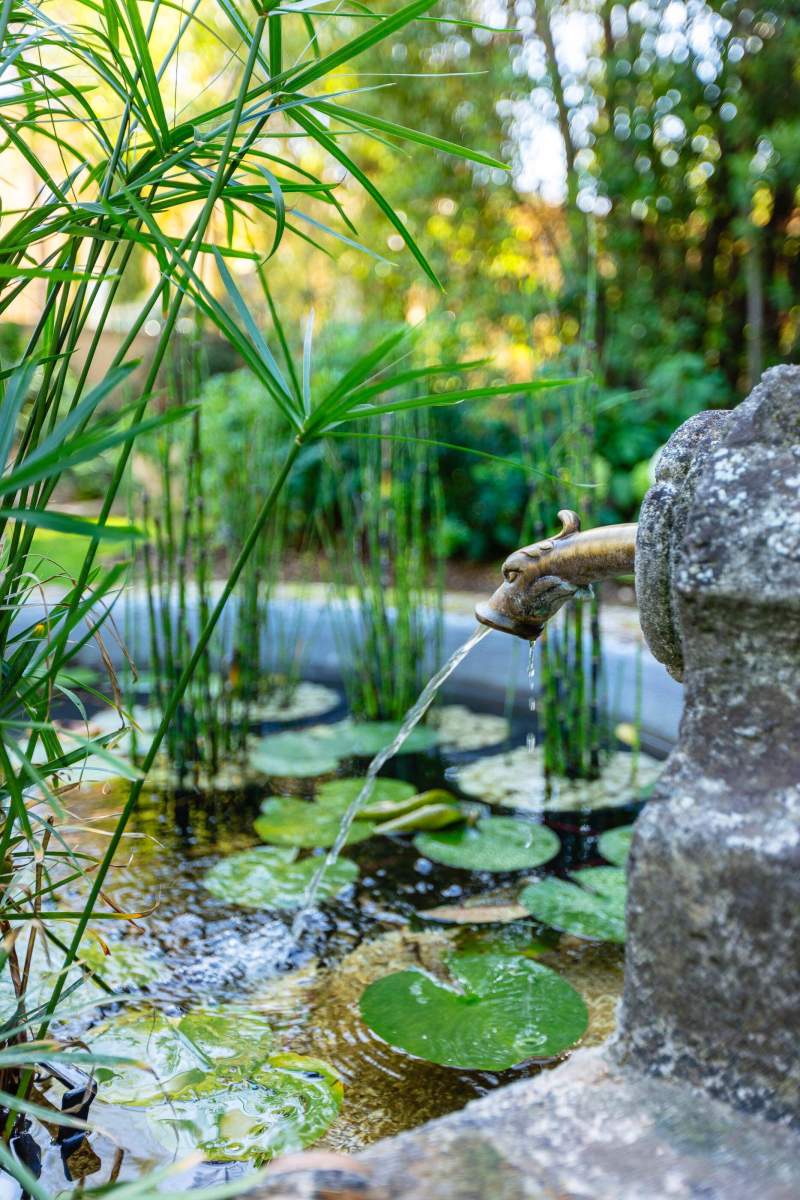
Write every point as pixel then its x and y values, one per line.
pixel 208 1082
pixel 593 906
pixel 288 822
pixel 177 1052
pixel 296 755
pixel 270 877
pixel 285 1105
pixel 503 1010
pixel 493 844
pixel 615 845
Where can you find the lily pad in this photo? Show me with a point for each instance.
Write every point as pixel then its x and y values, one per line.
pixel 459 728
pixel 387 798
pixel 270 877
pixel 516 779
pixel 615 845
pixel 593 906
pixel 492 844
pixel 285 1105
pixel 288 822
pixel 177 1053
pixel 437 815
pixel 502 1011
pixel 208 1082
pixel 294 755
pixel 365 739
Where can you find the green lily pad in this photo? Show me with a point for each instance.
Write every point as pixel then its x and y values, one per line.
pixel 294 755
pixel 492 844
pixel 615 844
pixel 365 739
pixel 208 1082
pixel 284 1106
pixel 593 906
pixel 386 799
pixel 270 877
pixel 503 1011
pixel 288 822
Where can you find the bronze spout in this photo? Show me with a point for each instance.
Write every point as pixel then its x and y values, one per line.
pixel 540 578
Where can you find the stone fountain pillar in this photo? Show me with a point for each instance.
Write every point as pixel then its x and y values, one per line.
pixel 712 983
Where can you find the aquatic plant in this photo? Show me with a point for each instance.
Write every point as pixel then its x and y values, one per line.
pixel 381 526
pixel 591 906
pixel 210 1080
pixel 502 1010
pixel 492 844
pixel 274 877
pixel 615 844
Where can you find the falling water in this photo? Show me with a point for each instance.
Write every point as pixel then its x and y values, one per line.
pixel 531 738
pixel 412 718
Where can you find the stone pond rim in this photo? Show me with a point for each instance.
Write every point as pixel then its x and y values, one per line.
pixel 698 1093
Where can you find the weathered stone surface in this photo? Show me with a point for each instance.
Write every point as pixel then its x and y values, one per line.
pixel 662 526
pixel 586 1131
pixel 713 960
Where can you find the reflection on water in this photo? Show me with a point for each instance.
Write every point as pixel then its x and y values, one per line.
pixel 208 950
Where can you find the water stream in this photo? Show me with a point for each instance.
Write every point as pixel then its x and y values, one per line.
pixel 531 738
pixel 411 719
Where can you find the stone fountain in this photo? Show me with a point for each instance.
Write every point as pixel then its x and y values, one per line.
pixel 698 1094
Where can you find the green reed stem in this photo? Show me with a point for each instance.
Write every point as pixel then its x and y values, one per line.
pixel 170 710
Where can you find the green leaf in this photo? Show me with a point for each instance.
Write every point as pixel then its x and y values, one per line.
pixel 316 130
pixel 285 821
pixel 387 798
pixel 593 906
pixel 209 1082
pixel 294 755
pixel 64 523
pixel 502 1011
pixel 615 844
pixel 269 877
pixel 285 1105
pixel 493 844
pixel 352 116
pixel 365 739
pixel 425 816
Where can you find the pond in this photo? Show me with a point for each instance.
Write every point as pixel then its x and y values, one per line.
pixel 217 980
